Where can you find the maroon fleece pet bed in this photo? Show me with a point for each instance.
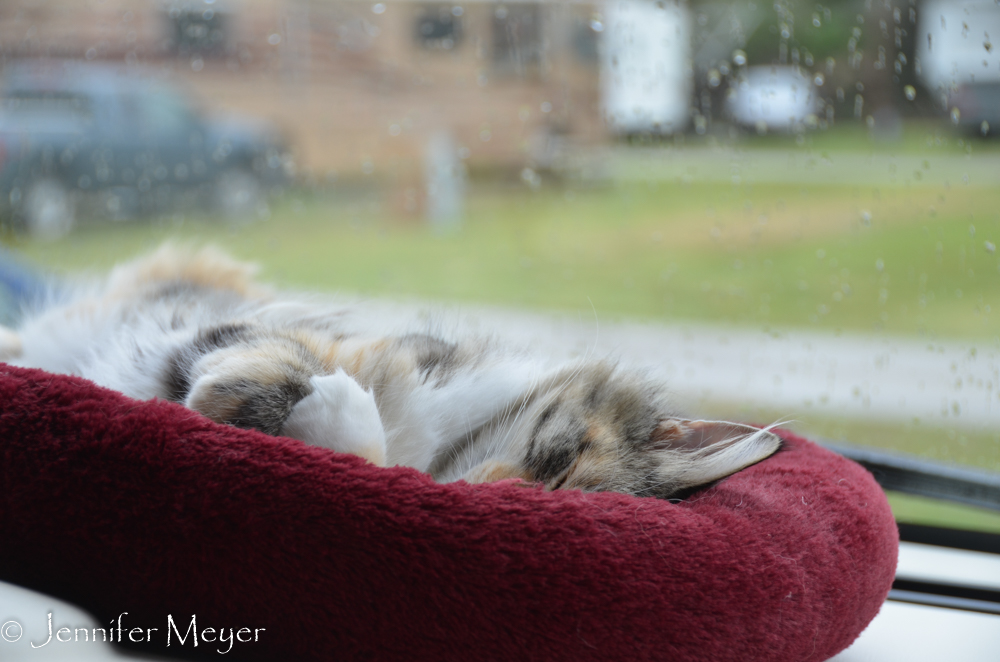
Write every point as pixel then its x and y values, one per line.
pixel 148 508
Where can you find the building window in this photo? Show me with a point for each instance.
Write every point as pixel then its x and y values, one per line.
pixel 517 36
pixel 202 32
pixel 439 28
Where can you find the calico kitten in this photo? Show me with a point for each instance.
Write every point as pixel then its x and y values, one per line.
pixel 195 328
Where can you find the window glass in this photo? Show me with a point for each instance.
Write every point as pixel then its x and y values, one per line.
pixel 790 208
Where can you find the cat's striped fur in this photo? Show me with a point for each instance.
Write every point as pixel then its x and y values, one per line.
pixel 194 327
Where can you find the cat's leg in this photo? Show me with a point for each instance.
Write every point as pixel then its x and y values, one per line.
pixel 339 415
pixel 251 378
pixel 599 429
pixel 10 344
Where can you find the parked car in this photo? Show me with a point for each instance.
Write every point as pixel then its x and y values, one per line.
pixel 75 130
pixel 772 98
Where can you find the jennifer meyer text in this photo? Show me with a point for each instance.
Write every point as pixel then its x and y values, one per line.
pixel 179 632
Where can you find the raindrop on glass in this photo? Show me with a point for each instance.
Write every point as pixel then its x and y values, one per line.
pixel 911 92
pixel 984 128
pixel 378 8
pixel 818 80
pixel 956 115
pixel 739 58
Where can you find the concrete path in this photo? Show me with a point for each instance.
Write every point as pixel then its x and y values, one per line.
pixel 796 166
pixel 797 373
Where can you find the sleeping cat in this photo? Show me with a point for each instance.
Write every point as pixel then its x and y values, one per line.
pixel 193 327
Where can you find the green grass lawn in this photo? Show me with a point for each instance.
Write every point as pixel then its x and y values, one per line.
pixel 913 262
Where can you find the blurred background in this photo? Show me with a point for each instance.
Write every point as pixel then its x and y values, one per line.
pixel 791 207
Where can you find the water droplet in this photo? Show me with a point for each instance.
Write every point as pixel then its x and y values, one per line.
pixel 956 115
pixel 990 247
pixel 984 128
pixel 546 107
pixel 739 57
pixel 378 8
pixel 879 265
pixel 274 39
pixel 597 26
pixel 816 21
pixel 911 92
pixel 818 80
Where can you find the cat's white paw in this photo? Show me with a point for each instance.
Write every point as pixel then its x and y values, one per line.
pixel 339 415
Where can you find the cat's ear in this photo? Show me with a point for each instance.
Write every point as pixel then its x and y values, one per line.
pixel 683 434
pixel 718 448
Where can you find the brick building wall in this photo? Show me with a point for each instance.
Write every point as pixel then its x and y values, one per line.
pixel 357 86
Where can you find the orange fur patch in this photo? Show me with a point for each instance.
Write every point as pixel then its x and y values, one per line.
pixel 207 267
pixel 491 471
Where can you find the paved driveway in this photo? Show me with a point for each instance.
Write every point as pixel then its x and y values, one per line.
pixel 880 378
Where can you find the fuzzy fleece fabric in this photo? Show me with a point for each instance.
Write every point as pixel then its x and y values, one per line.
pixel 281 551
